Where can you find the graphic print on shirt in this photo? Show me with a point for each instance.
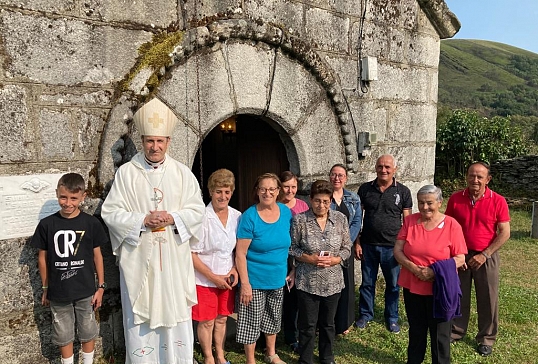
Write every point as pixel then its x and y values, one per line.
pixel 397 198
pixel 66 245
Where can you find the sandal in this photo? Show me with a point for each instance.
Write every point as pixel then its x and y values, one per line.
pixel 269 359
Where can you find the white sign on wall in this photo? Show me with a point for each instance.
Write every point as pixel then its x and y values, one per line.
pixel 24 200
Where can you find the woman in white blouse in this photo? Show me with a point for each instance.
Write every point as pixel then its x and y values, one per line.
pixel 213 258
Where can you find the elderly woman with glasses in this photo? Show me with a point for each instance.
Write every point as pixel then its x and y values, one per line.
pixel 349 204
pixel 320 245
pixel 430 247
pixel 263 241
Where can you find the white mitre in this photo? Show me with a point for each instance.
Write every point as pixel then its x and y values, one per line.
pixel 155 119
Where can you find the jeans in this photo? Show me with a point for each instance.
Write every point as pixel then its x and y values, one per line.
pixel 68 316
pixel 373 257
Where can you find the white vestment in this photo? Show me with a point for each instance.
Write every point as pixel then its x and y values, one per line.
pixel 156 271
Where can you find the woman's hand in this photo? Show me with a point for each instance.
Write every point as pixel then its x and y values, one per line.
pixel 221 281
pixel 245 293
pixel 233 277
pixel 324 261
pixel 358 251
pixel 425 274
pixel 290 279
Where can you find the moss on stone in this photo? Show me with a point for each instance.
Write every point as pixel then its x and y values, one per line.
pixel 154 55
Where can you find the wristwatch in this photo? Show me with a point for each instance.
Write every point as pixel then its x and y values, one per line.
pixel 486 255
pixel 102 285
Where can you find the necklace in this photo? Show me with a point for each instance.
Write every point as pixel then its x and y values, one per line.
pixel 158 194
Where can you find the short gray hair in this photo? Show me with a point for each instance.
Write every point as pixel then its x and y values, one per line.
pixel 425 190
pixel 394 162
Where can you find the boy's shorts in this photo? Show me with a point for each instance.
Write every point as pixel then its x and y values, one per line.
pixel 212 302
pixel 64 316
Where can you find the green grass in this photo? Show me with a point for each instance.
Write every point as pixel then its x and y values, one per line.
pixel 517 341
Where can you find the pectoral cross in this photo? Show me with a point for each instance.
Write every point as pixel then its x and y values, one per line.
pixel 157 197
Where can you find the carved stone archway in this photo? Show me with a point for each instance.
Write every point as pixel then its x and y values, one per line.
pixel 234 67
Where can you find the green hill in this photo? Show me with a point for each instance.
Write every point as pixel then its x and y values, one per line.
pixel 492 78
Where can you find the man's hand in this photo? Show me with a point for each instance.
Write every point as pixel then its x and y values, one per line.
pixel 44 299
pixel 97 299
pixel 158 219
pixel 476 261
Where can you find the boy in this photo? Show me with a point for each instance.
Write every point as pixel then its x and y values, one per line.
pixel 69 256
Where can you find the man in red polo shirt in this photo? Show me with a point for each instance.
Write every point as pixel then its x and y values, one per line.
pixel 483 215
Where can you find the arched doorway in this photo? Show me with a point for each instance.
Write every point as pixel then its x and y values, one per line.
pixel 253 148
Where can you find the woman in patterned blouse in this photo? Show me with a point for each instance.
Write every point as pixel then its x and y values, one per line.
pixel 320 243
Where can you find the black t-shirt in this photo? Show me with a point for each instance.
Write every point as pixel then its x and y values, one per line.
pixel 383 212
pixel 69 244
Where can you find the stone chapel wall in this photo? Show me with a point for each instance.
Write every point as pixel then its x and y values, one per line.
pixel 62 72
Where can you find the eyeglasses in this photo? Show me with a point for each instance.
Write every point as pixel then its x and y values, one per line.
pixel 271 190
pixel 335 175
pixel 317 201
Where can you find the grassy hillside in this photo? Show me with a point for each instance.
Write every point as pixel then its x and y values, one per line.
pixel 493 78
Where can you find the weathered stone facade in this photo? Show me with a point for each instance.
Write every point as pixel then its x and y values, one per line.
pixel 73 72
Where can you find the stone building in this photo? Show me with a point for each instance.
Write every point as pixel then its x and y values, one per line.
pixel 258 85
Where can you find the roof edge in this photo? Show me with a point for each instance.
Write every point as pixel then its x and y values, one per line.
pixel 443 20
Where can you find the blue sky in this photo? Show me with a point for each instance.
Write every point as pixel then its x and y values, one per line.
pixel 505 21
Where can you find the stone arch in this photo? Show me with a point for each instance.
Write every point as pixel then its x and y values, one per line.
pixel 239 66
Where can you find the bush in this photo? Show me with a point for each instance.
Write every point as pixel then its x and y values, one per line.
pixel 466 137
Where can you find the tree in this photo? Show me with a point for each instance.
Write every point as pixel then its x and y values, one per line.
pixel 466 137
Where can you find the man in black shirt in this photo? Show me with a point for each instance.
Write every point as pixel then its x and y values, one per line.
pixel 385 202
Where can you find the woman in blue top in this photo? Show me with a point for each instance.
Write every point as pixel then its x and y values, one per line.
pixel 263 241
pixel 349 204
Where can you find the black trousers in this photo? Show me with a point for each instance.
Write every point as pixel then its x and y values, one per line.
pixel 289 315
pixel 419 311
pixel 316 311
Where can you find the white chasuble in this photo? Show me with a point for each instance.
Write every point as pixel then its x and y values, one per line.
pixel 156 271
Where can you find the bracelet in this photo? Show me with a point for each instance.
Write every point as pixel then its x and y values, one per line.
pixel 486 255
pixel 44 287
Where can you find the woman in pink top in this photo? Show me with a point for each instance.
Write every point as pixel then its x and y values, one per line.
pixel 425 238
pixel 289 311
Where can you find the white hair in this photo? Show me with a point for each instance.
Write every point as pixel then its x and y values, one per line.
pixel 425 190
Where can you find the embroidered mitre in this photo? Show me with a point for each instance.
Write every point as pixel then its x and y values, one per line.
pixel 155 119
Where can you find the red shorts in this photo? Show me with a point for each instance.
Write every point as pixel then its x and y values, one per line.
pixel 212 302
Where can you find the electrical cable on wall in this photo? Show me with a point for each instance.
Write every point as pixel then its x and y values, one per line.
pixel 361 85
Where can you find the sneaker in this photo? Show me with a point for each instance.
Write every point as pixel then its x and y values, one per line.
pixel 484 350
pixel 361 323
pixel 394 328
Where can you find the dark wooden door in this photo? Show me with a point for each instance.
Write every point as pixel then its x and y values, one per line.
pixel 254 149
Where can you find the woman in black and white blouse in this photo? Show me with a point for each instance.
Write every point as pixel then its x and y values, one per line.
pixel 320 243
